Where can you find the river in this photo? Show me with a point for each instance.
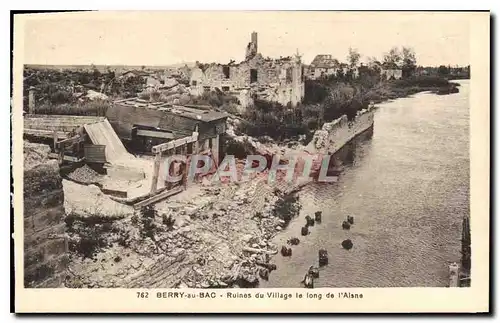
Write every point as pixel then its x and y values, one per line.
pixel 407 186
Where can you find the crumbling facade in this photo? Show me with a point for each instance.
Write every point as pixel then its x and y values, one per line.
pixel 279 80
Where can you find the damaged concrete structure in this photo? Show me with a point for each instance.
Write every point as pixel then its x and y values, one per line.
pixel 164 130
pixel 279 80
pixel 144 124
pixel 324 65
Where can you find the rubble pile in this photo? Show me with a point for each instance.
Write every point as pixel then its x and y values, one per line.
pixel 34 154
pixel 170 92
pixel 85 175
pixel 220 237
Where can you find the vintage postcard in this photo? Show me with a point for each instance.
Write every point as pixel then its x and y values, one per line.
pixel 260 161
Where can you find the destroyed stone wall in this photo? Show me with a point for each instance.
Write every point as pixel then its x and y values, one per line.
pixel 45 245
pixel 278 80
pixel 334 135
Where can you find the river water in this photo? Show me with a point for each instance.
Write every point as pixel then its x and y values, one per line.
pixel 407 186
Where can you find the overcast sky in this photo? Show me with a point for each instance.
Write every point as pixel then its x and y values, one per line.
pixel 163 38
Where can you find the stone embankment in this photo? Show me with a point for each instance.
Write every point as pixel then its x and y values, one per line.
pixel 45 245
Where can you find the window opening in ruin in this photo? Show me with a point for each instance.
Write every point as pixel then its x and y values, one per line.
pixel 194 83
pixel 225 88
pixel 206 88
pixel 253 75
pixel 289 75
pixel 225 70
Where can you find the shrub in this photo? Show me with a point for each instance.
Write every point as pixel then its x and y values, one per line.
pixel 148 226
pixel 287 207
pixel 61 97
pixel 169 220
pixel 89 233
pixel 271 119
pixel 236 148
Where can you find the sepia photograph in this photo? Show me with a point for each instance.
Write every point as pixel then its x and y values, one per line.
pixel 233 154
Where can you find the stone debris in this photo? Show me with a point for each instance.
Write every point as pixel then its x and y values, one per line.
pixel 93 95
pixel 85 175
pixel 34 154
pixel 207 247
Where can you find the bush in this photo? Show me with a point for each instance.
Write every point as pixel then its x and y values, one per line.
pixel 61 97
pixel 169 220
pixel 148 226
pixel 287 207
pixel 90 233
pixel 421 81
pixel 315 92
pixel 217 98
pixel 271 119
pixel 236 148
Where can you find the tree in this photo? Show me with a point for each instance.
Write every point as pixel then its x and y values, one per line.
pixel 353 57
pixel 408 56
pixel 443 70
pixel 409 61
pixel 393 57
pixel 374 65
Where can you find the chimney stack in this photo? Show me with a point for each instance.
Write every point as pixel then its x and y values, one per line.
pixel 254 40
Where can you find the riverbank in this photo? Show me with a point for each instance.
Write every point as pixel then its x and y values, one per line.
pixel 391 90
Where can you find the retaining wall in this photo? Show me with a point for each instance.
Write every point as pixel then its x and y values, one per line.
pixel 45 245
pixel 334 135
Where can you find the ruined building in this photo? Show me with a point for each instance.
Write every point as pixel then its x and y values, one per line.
pixel 324 65
pixel 279 80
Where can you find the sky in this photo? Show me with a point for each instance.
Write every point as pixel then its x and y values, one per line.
pixel 164 38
